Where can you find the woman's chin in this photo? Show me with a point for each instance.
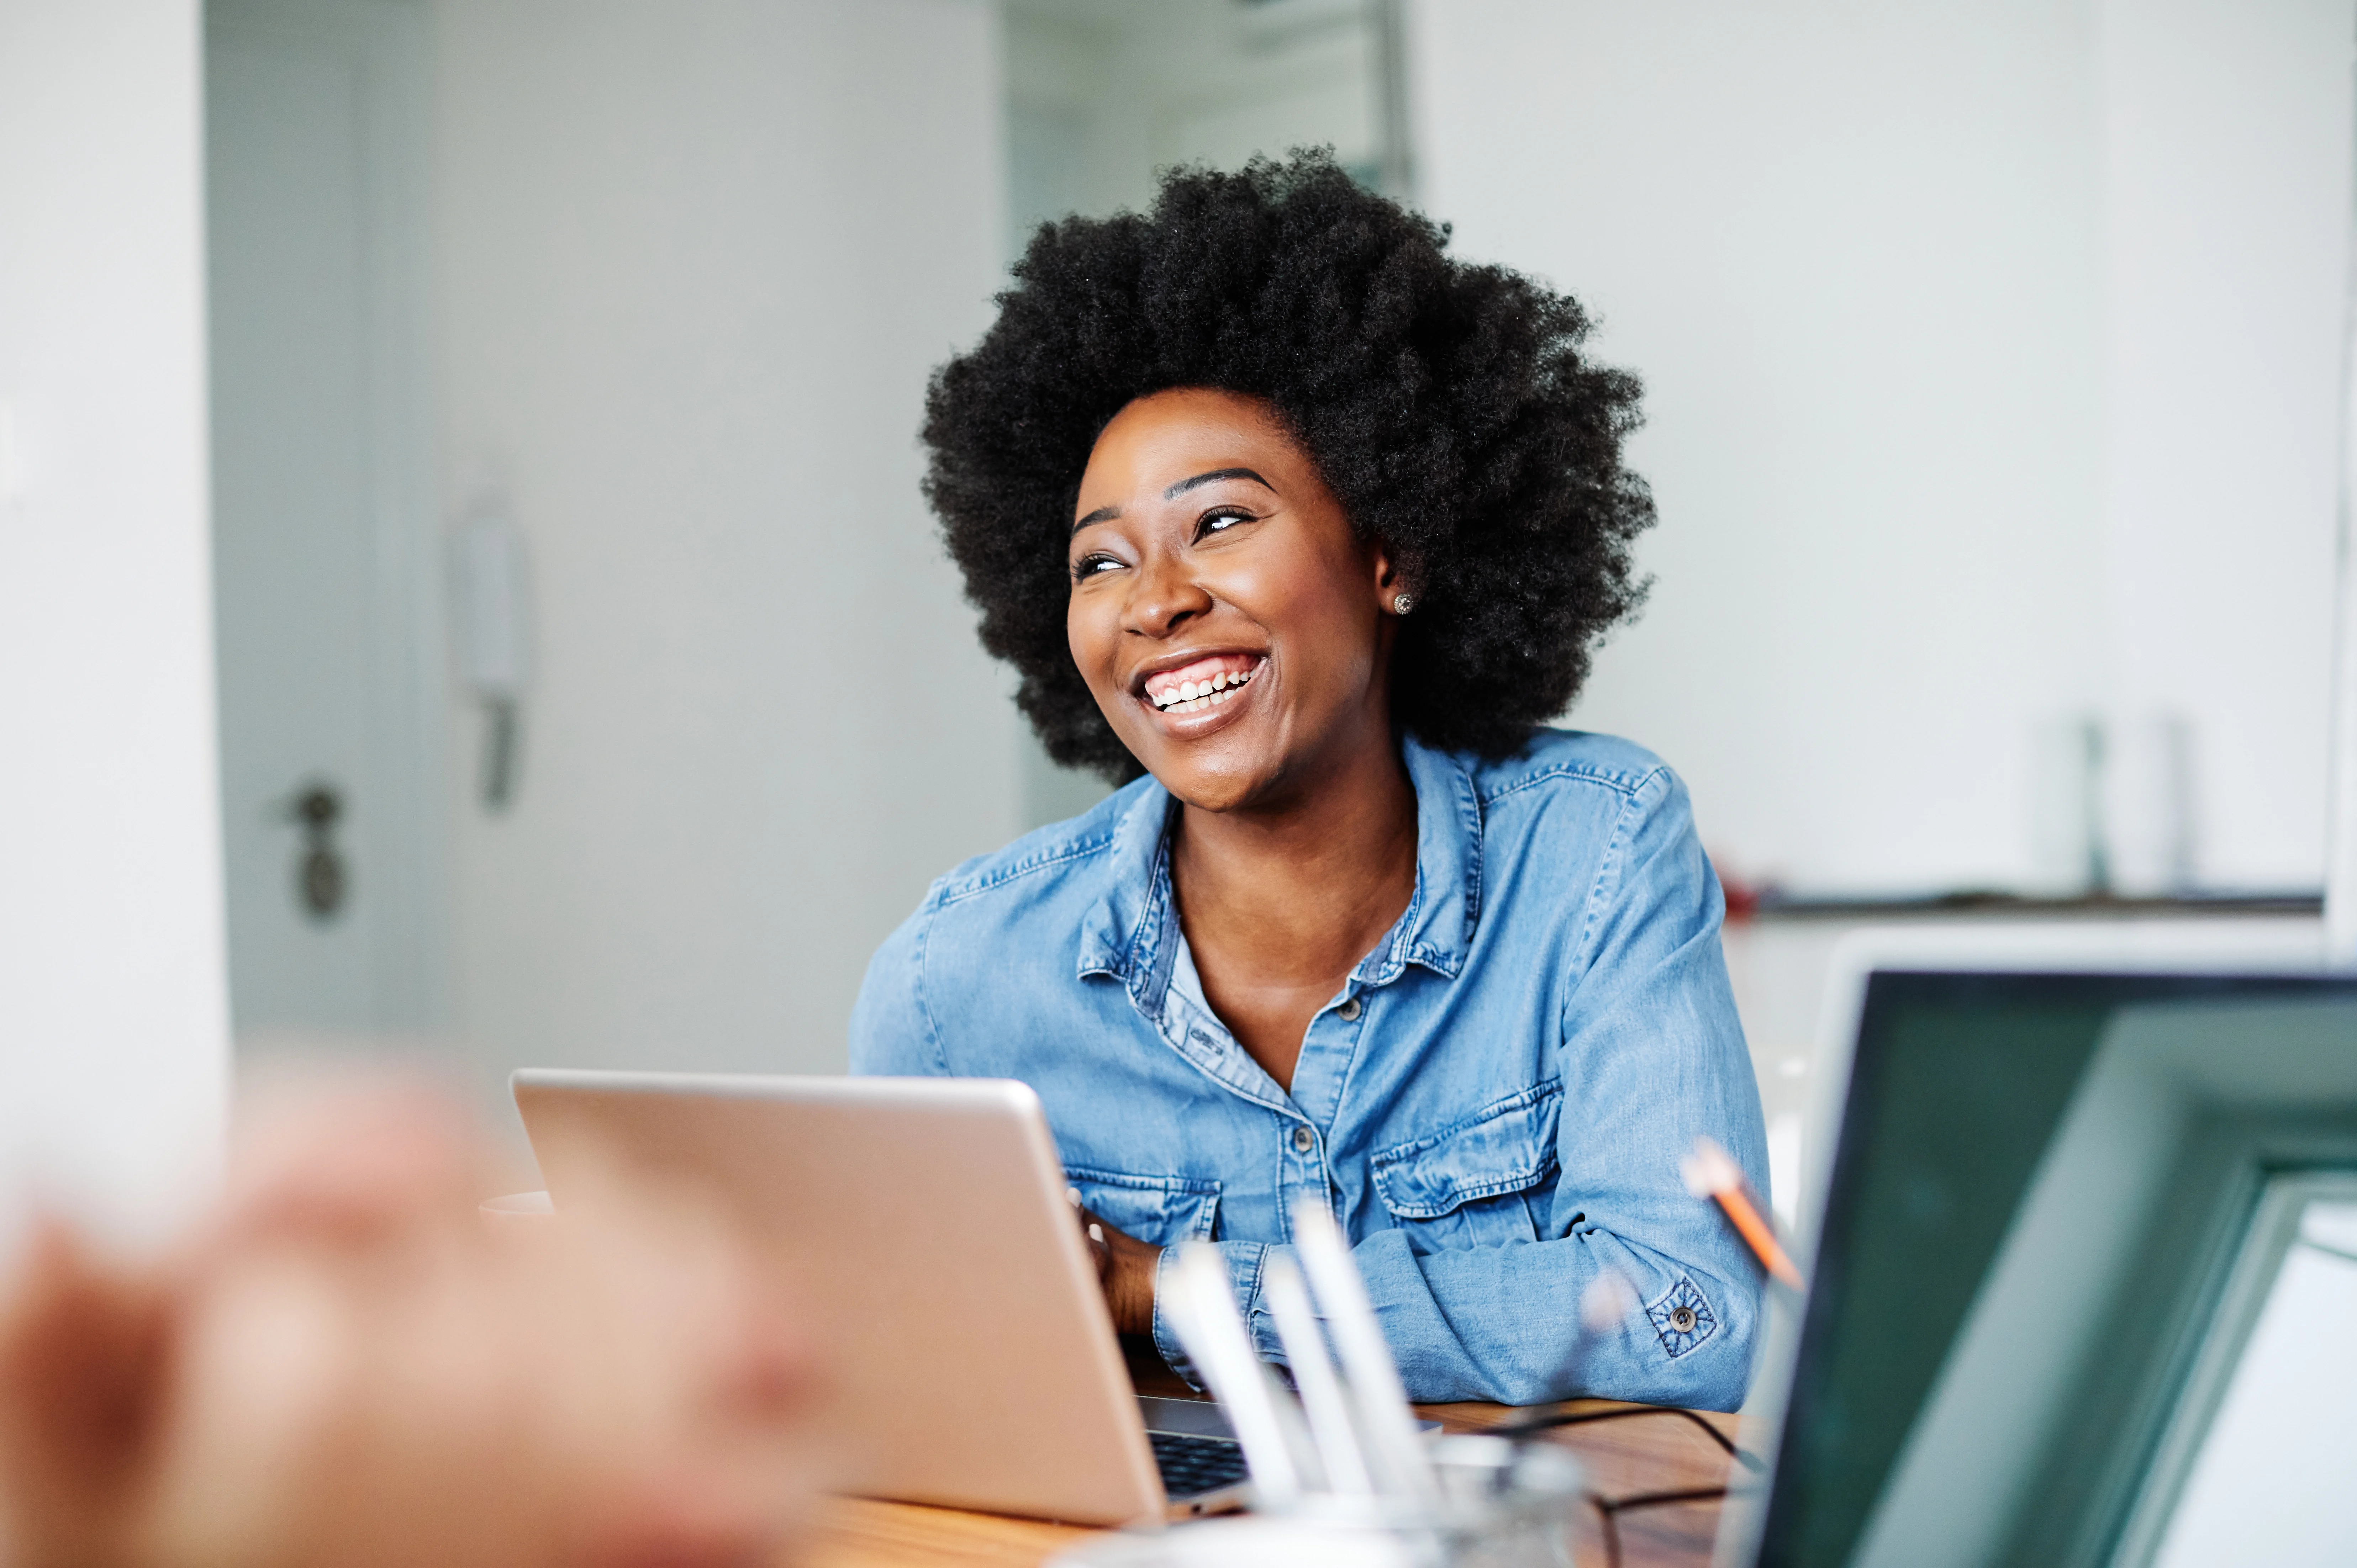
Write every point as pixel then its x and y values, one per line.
pixel 1226 773
pixel 1215 757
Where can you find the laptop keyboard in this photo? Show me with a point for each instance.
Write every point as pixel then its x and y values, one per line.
pixel 1192 1466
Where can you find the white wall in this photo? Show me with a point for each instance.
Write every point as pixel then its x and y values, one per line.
pixel 695 261
pixel 113 1018
pixel 2226 142
pixel 1935 390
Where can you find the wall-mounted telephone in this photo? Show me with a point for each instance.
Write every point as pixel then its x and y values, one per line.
pixel 494 640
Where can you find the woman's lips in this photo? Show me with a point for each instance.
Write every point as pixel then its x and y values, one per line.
pixel 1222 686
pixel 1207 682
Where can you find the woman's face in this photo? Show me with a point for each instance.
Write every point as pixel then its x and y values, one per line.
pixel 1230 624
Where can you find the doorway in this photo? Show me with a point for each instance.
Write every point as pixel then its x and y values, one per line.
pixel 324 547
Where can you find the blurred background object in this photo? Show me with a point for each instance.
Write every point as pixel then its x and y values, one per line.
pixel 494 644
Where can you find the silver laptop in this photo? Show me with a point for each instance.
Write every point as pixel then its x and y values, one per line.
pixel 970 1360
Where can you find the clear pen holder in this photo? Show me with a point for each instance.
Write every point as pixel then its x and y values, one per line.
pixel 1501 1505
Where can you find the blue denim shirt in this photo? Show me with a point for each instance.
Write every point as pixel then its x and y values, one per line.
pixel 1493 1106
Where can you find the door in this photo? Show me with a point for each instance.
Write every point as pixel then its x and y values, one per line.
pixel 323 542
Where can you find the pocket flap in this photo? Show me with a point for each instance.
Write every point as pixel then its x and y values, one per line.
pixel 1161 1210
pixel 1505 1147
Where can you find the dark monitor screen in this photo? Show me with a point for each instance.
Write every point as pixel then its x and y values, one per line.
pixel 1958 1085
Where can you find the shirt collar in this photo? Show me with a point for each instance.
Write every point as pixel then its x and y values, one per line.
pixel 1116 936
pixel 1124 932
pixel 1438 928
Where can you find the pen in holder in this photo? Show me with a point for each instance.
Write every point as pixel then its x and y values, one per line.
pixel 1342 1477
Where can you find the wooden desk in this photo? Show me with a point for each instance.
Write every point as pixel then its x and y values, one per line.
pixel 1625 1457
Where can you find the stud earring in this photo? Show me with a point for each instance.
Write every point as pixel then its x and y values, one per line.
pixel 1402 604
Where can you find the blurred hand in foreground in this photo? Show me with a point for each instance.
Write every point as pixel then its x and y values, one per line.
pixel 347 1367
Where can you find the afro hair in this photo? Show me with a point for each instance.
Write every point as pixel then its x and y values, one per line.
pixel 1446 404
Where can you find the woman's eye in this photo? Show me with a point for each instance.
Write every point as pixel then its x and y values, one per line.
pixel 1219 522
pixel 1089 565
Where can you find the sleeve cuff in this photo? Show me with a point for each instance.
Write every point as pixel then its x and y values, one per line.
pixel 1244 1259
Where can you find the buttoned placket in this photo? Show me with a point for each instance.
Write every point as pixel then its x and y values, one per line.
pixel 1324 1066
pixel 1304 1118
pixel 1448 823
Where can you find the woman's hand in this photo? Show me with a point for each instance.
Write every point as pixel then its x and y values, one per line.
pixel 1125 1267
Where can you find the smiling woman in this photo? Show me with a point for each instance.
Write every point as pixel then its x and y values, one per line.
pixel 1181 586
pixel 1269 500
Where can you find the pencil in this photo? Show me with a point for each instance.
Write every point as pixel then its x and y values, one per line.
pixel 1711 1171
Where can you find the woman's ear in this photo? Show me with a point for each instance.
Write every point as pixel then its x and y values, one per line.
pixel 1390 593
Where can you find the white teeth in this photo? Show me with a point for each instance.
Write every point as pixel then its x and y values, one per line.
pixel 1191 696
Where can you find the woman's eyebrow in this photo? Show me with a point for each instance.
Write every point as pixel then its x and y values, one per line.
pixel 1183 486
pixel 1113 513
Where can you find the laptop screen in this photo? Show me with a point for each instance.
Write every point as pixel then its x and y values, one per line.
pixel 1958 1087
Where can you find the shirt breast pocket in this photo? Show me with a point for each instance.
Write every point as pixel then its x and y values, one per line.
pixel 1478 1182
pixel 1162 1210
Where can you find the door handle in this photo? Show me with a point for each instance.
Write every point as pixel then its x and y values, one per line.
pixel 321 881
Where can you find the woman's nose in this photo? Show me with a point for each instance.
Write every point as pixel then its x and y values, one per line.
pixel 1163 596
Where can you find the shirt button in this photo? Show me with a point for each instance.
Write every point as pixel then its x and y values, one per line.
pixel 1304 1140
pixel 1349 1010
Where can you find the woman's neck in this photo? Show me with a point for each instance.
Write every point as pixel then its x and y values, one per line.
pixel 1279 903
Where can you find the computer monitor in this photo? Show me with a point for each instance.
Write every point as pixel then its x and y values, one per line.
pixel 2026 1230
